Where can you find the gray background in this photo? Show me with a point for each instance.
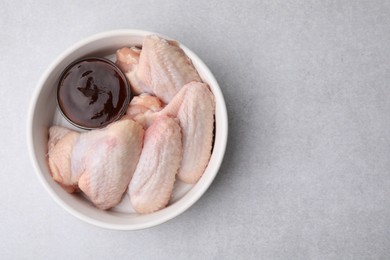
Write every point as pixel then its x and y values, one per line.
pixel 307 168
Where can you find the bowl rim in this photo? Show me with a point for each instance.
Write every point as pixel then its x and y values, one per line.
pixel 223 135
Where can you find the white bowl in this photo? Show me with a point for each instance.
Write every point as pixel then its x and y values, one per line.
pixel 43 113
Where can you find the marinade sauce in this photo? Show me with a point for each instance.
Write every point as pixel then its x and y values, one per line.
pixel 92 93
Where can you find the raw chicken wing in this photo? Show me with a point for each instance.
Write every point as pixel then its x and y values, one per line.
pixel 106 159
pixel 162 69
pixel 194 107
pixel 152 184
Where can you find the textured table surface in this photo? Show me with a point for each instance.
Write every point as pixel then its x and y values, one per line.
pixel 307 168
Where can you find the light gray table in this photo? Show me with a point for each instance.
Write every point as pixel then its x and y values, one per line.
pixel 307 169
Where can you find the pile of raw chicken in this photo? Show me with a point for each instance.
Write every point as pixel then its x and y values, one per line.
pixel 166 134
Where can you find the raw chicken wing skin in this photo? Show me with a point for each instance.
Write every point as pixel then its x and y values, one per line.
pixel 106 160
pixel 143 108
pixel 127 60
pixel 152 184
pixel 60 145
pixel 194 107
pixel 56 133
pixel 143 103
pixel 163 68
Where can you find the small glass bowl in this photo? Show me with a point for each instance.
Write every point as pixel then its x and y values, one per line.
pixel 114 117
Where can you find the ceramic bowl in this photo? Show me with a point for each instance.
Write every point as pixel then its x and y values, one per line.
pixel 43 113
